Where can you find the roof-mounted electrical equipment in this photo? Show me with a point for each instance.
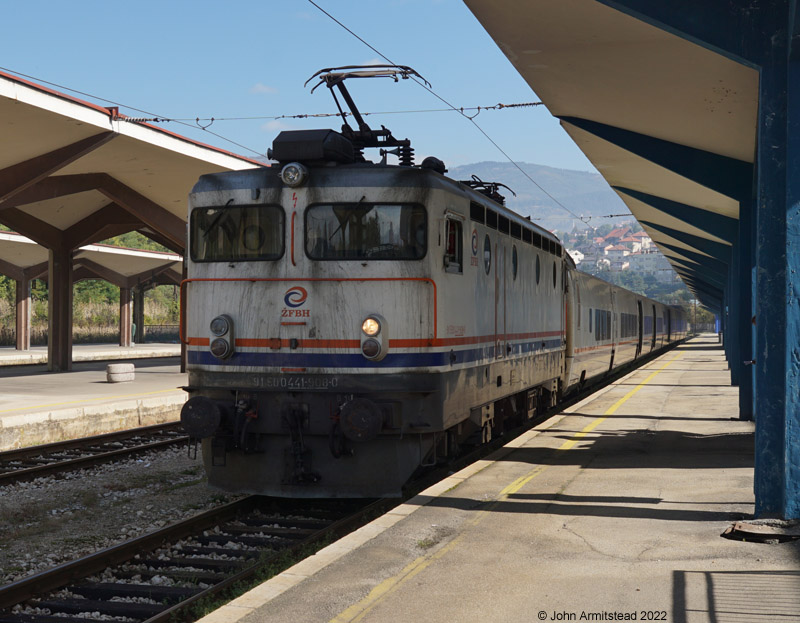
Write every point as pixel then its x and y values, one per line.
pixel 490 189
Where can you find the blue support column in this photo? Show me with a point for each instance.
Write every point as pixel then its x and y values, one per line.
pixel 777 442
pixel 734 350
pixel 744 292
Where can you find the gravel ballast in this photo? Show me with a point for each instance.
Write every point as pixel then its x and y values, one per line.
pixel 52 520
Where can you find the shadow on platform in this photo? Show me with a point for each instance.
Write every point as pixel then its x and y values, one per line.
pixel 736 596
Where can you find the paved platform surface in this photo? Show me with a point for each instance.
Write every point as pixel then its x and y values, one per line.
pixel 9 356
pixel 610 511
pixel 37 406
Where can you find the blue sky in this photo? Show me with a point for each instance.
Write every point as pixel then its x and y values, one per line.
pixel 249 58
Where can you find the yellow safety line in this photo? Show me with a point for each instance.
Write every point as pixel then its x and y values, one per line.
pixel 612 409
pixel 359 610
pixel 73 402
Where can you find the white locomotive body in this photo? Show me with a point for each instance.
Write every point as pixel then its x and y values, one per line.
pixel 300 401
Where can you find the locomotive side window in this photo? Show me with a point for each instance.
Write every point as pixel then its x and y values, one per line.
pixel 358 231
pixel 453 253
pixel 514 261
pixel 236 233
pixel 477 212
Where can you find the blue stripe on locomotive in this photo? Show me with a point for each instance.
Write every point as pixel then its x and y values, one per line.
pixel 356 360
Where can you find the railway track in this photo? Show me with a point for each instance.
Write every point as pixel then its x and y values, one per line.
pixel 160 576
pixel 64 456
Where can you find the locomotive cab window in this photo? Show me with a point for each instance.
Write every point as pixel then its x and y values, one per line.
pixel 236 233
pixel 453 251
pixel 366 231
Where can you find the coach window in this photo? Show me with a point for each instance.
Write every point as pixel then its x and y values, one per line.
pixel 538 270
pixel 487 254
pixel 590 320
pixel 453 253
pixel 554 274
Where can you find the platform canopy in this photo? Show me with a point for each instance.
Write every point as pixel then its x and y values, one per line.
pixel 21 258
pixel 73 173
pixel 670 123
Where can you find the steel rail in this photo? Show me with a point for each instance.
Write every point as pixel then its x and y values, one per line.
pixel 66 574
pixel 95 458
pixel 61 575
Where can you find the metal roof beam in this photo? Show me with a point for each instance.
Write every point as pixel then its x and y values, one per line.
pixel 32 227
pixel 162 240
pixel 717 25
pixel 148 276
pixel 711 291
pixel 699 271
pixel 102 272
pixel 37 271
pixel 53 187
pixel 717 250
pixel 715 224
pixel 108 221
pixel 18 177
pixel 698 258
pixel 149 212
pixel 706 278
pixel 12 271
pixel 728 176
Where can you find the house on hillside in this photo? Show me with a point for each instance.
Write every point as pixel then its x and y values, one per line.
pixel 631 243
pixel 615 235
pixel 651 262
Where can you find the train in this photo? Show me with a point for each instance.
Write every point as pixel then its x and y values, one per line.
pixel 349 323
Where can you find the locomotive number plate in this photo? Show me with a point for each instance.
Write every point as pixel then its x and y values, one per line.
pixel 295 382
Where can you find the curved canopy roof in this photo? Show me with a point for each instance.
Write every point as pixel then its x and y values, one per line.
pixel 21 258
pixel 669 123
pixel 72 172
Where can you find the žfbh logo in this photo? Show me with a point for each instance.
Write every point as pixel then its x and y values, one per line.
pixel 474 242
pixel 295 296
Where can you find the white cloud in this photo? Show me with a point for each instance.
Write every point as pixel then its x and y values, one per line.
pixel 276 125
pixel 262 88
pixel 376 61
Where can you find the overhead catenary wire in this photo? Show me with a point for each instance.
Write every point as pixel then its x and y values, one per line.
pixel 583 219
pixel 320 115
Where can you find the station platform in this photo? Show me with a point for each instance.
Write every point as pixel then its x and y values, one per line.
pixel 9 356
pixel 610 511
pixel 39 407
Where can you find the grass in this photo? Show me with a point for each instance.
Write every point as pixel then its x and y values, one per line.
pixel 426 543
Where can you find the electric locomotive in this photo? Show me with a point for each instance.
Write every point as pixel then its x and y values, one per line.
pixel 349 322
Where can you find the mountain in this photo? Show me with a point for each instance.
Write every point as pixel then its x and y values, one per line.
pixel 583 193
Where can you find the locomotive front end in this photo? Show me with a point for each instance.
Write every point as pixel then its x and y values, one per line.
pixel 308 315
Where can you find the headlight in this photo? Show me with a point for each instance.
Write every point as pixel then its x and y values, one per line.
pixel 371 326
pixel 221 348
pixel 371 349
pixel 220 325
pixel 294 174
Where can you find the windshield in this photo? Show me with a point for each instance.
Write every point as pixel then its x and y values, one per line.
pixel 236 233
pixel 355 231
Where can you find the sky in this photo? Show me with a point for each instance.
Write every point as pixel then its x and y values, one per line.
pixel 184 59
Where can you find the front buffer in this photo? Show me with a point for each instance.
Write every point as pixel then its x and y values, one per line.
pixel 314 444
